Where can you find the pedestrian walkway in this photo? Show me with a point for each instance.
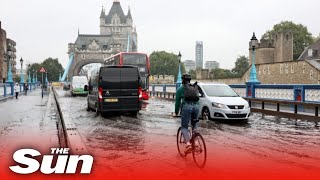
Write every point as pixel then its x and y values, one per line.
pixel 27 122
pixel 9 96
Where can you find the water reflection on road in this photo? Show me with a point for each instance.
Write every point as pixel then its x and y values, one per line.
pixel 151 135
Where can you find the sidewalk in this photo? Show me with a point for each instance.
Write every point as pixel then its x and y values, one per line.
pixel 9 96
pixel 27 122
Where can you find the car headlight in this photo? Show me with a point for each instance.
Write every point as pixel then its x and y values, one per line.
pixel 246 106
pixel 219 105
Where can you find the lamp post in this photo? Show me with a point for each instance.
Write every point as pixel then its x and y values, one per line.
pixel 46 78
pixel 253 71
pixel 253 80
pixel 29 77
pixel 179 80
pixel 9 57
pixel 36 76
pixel 33 77
pixel 22 75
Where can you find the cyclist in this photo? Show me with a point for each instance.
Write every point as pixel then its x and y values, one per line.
pixel 187 96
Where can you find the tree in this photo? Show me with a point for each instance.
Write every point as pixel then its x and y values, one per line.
pixel 52 66
pixel 223 73
pixel 241 66
pixel 165 63
pixel 193 74
pixel 301 36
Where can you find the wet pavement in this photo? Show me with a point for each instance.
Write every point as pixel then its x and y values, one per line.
pixel 122 144
pixel 27 122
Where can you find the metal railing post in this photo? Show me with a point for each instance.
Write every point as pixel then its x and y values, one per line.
pixel 12 89
pixel 5 90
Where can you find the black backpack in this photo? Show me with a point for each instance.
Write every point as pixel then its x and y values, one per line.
pixel 191 92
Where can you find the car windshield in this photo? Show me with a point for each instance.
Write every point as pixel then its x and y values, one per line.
pixel 219 91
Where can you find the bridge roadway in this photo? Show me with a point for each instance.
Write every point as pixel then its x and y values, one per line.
pixel 121 144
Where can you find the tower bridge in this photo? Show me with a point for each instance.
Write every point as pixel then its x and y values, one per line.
pixel 117 34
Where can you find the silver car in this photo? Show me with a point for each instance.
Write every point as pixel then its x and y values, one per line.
pixel 219 101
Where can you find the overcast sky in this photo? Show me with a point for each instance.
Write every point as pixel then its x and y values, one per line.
pixel 43 28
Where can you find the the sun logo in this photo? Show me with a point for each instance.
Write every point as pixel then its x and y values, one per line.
pixel 65 163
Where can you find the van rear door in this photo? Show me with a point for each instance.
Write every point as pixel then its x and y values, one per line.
pixel 120 88
pixel 130 88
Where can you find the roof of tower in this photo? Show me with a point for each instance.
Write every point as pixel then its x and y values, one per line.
pixel 116 9
pixel 86 39
pixel 102 15
pixel 129 14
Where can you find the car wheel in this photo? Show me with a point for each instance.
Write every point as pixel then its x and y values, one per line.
pixel 206 114
pixel 97 110
pixel 134 113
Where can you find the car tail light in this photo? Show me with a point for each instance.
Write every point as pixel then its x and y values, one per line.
pixel 140 93
pixel 100 94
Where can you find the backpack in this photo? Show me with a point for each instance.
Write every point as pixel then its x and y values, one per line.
pixel 191 92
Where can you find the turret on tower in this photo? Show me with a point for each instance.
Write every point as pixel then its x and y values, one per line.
pixel 277 49
pixel 102 21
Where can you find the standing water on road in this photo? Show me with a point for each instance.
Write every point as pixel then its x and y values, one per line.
pixel 122 144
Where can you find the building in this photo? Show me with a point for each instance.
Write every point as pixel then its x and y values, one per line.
pixel 199 54
pixel 4 44
pixel 3 47
pixel 275 64
pixel 189 65
pixel 117 34
pixel 13 62
pixel 279 48
pixel 211 65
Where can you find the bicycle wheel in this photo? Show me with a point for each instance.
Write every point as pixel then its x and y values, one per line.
pixel 199 151
pixel 180 143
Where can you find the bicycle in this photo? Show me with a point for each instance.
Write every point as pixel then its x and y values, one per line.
pixel 198 146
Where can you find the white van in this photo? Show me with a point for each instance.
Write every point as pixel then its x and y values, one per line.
pixel 77 85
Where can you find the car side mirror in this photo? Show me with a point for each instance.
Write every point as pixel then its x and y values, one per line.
pixel 86 88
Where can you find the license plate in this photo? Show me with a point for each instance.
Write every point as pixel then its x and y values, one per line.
pixel 236 112
pixel 110 100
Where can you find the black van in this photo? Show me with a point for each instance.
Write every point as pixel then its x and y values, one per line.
pixel 115 89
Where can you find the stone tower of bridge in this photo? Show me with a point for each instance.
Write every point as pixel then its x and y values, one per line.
pixel 116 30
pixel 279 48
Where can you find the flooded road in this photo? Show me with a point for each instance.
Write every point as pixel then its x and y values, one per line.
pixel 123 144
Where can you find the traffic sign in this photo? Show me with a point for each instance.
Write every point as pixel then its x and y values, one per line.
pixel 42 70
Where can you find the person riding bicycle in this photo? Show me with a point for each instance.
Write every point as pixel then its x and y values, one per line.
pixel 187 96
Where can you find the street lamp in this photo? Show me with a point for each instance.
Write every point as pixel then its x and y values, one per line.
pixel 179 80
pixel 36 76
pixel 22 75
pixel 46 78
pixel 9 56
pixel 253 71
pixel 33 76
pixel 29 77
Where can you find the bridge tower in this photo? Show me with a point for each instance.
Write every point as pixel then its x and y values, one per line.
pixel 116 30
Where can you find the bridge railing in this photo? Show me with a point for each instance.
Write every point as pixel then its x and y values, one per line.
pixel 293 101
pixel 7 89
pixel 289 92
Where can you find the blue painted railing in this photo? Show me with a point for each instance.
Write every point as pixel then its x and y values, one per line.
pixel 7 89
pixel 291 92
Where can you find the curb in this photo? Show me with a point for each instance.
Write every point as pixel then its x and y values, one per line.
pixel 4 99
pixel 70 131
